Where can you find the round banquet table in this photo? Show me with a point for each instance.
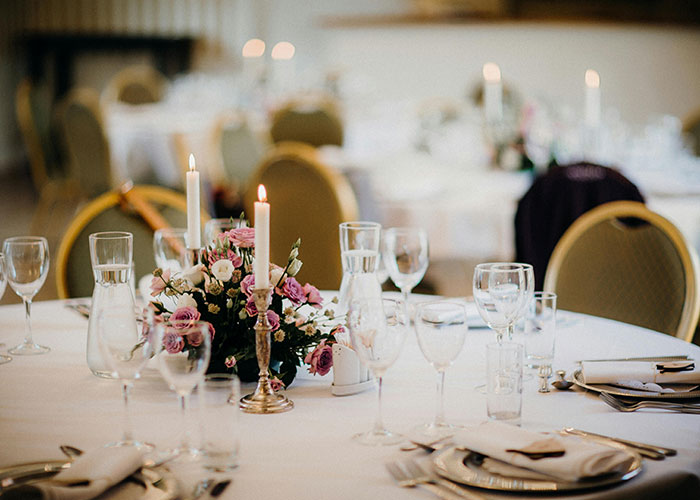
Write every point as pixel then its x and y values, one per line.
pixel 53 399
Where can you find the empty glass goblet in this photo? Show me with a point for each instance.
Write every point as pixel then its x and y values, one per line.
pixel 441 328
pixel 405 255
pixel 3 283
pixel 126 352
pixel 183 349
pixel 169 248
pixel 377 331
pixel 27 264
pixel 499 290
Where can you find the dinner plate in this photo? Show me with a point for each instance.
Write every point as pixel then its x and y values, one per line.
pixel 34 472
pixel 631 393
pixel 464 467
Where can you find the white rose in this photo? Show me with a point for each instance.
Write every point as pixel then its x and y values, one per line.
pixel 194 274
pixel 276 275
pixel 222 269
pixel 186 300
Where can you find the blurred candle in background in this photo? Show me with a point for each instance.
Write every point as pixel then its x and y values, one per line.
pixel 193 215
pixel 592 107
pixel 283 66
pixel 253 62
pixel 261 266
pixel 493 92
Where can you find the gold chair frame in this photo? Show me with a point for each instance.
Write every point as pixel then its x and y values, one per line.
pixel 690 312
pixel 97 206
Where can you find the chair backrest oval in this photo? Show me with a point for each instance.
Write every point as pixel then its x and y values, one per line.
pixel 106 213
pixel 138 84
pixel 624 262
pixel 308 200
pixel 317 123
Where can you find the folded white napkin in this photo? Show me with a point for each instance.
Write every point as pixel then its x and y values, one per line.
pixel 99 469
pixel 581 458
pixel 611 372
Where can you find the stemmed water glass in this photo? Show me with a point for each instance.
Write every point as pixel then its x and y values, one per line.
pixel 169 248
pixel 405 255
pixel 126 352
pixel 183 349
pixel 27 264
pixel 500 290
pixel 214 227
pixel 3 283
pixel 441 327
pixel 377 331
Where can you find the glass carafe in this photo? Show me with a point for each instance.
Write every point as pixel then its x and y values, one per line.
pixel 359 249
pixel 111 255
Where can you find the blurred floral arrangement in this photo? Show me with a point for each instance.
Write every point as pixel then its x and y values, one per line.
pixel 219 291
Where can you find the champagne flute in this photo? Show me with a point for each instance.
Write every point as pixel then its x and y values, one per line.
pixel 27 264
pixel 377 332
pixel 183 349
pixel 499 289
pixel 3 283
pixel 405 255
pixel 126 352
pixel 169 248
pixel 441 328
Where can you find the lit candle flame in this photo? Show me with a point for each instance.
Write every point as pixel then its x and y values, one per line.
pixel 492 73
pixel 262 194
pixel 192 164
pixel 592 79
pixel 253 48
pixel 283 51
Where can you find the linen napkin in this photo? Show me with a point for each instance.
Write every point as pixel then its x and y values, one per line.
pixel 644 372
pixel 90 475
pixel 581 458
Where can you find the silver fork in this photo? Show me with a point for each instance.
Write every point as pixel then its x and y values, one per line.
pixel 409 474
pixel 661 405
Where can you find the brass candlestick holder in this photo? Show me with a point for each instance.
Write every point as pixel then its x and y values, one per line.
pixel 264 399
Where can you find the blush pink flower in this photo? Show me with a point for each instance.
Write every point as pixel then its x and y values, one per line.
pixel 242 237
pixel 230 361
pixel 250 307
pixel 276 384
pixel 184 315
pixel 224 253
pixel 158 283
pixel 320 360
pixel 173 342
pixel 248 284
pixel 194 338
pixel 313 296
pixel 274 320
pixel 293 291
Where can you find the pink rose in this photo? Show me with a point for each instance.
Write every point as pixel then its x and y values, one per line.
pixel 250 307
pixel 230 361
pixel 194 338
pixel 274 320
pixel 320 360
pixel 158 283
pixel 173 342
pixel 276 384
pixel 313 296
pixel 224 253
pixel 183 316
pixel 248 284
pixel 293 291
pixel 242 237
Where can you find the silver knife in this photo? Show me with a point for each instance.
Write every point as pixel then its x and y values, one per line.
pixel 653 449
pixel 677 357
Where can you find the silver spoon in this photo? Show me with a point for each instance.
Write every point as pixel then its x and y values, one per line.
pixel 561 383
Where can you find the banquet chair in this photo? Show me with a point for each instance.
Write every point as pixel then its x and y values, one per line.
pixel 138 84
pixel 555 200
pixel 691 129
pixel 82 129
pixel 312 120
pixel 624 262
pixel 113 212
pixel 308 200
pixel 240 148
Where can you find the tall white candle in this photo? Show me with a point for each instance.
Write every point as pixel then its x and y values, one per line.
pixel 493 92
pixel 261 266
pixel 283 66
pixel 193 217
pixel 592 108
pixel 253 63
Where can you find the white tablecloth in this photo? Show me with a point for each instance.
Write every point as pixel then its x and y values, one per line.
pixel 53 399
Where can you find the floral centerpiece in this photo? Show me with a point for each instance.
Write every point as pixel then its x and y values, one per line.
pixel 219 291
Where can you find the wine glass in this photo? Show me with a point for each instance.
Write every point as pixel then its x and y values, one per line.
pixel 27 264
pixel 3 283
pixel 499 290
pixel 377 332
pixel 169 248
pixel 405 255
pixel 529 275
pixel 214 227
pixel 441 328
pixel 126 352
pixel 183 349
